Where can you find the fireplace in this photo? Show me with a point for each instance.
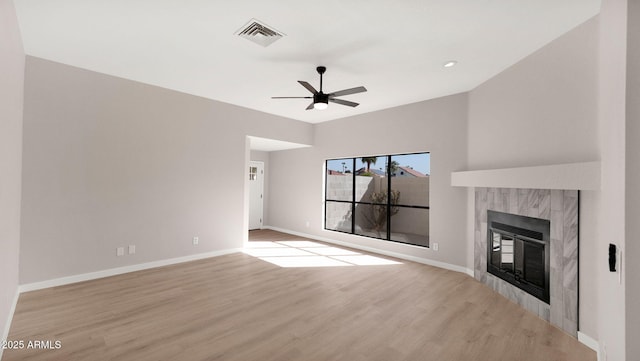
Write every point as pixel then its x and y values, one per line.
pixel 518 252
pixel 560 237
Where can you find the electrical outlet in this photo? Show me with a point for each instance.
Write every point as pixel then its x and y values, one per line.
pixel 307 224
pixel 435 246
pixel 196 240
pixel 120 251
pixel 132 249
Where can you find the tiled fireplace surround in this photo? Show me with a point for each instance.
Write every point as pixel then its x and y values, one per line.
pixel 560 207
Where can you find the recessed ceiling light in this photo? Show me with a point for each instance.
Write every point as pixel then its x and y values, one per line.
pixel 450 63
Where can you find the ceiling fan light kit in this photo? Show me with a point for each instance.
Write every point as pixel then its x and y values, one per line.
pixel 320 99
pixel 320 105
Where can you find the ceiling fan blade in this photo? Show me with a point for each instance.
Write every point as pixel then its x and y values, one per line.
pixel 308 86
pixel 343 102
pixel 310 106
pixel 340 93
pixel 291 97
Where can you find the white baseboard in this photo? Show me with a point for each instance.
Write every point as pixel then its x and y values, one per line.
pixel 426 261
pixel 120 270
pixel 7 326
pixel 589 342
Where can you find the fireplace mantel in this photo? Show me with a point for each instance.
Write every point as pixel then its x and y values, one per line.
pixel 573 176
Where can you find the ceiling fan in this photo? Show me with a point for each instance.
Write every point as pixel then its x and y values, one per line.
pixel 321 100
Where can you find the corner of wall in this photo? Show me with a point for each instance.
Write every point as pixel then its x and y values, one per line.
pixel 7 327
pixel 632 212
pixel 12 73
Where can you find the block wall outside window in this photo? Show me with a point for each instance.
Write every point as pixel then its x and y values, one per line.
pixel 384 197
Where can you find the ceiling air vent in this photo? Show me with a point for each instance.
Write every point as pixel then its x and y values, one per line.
pixel 259 33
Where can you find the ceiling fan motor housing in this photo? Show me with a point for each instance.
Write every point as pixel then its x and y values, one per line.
pixel 321 98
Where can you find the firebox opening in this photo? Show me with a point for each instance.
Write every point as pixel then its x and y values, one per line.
pixel 518 251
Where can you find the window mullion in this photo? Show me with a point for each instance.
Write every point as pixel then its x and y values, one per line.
pixel 388 198
pixel 353 196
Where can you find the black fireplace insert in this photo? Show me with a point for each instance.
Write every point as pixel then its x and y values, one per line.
pixel 518 251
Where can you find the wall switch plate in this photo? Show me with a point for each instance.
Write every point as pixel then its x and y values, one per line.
pixel 120 251
pixel 196 240
pixel 132 249
pixel 613 254
pixel 435 246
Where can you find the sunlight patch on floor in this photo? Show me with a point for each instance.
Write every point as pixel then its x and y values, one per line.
pixel 301 244
pixel 277 252
pixel 331 251
pixel 311 254
pixel 310 261
pixel 263 244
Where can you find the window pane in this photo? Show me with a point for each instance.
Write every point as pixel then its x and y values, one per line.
pixel 371 220
pixel 340 179
pixel 410 177
pixel 410 225
pixel 360 191
pixel 338 216
pixel 370 178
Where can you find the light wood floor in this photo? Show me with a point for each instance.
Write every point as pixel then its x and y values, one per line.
pixel 237 307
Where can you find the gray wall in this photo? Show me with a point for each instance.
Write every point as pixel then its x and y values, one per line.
pixel 438 126
pixel 110 162
pixel 633 182
pixel 11 104
pixel 543 110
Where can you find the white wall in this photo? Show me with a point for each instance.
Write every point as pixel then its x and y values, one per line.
pixel 438 126
pixel 633 182
pixel 110 162
pixel 611 118
pixel 12 61
pixel 541 111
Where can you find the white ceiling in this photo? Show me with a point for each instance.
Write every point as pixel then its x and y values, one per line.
pixel 396 49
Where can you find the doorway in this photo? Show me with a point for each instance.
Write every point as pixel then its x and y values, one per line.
pixel 256 194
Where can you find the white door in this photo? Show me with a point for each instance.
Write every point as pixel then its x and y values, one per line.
pixel 256 186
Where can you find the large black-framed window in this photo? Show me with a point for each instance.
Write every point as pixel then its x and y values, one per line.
pixel 384 197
